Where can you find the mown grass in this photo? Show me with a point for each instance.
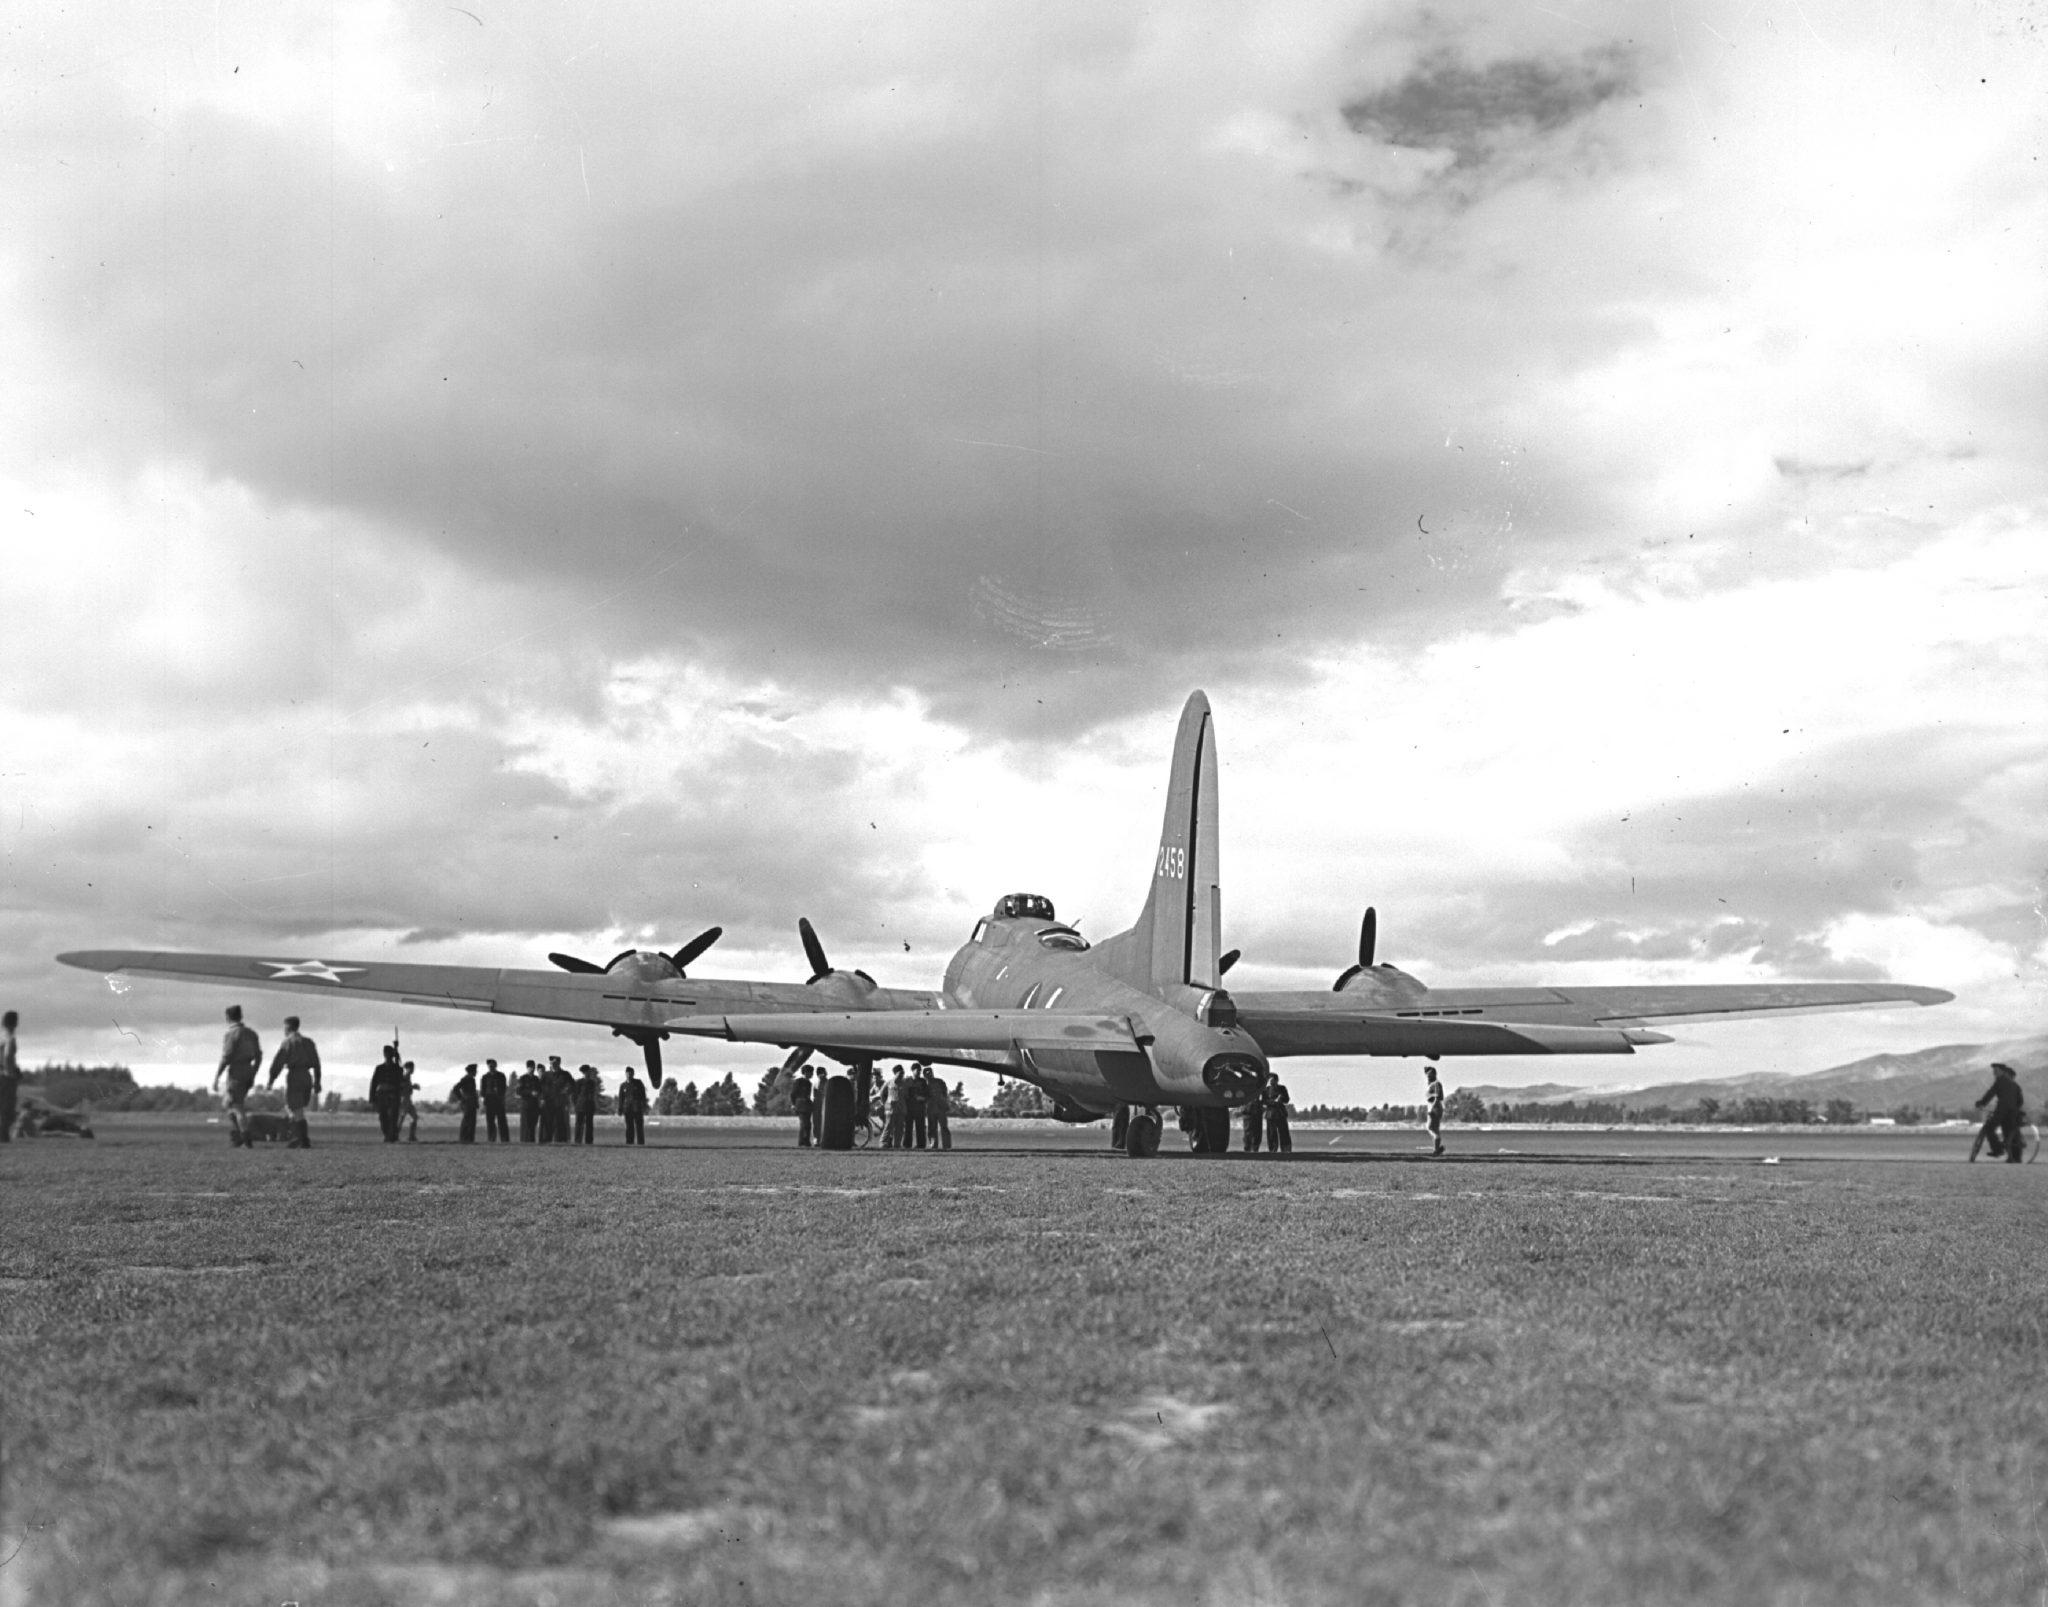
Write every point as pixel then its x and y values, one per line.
pixel 736 1374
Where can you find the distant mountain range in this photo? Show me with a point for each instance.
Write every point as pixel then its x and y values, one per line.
pixel 1947 1077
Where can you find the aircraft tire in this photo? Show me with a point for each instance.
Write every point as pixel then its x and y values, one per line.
pixel 836 1130
pixel 1141 1139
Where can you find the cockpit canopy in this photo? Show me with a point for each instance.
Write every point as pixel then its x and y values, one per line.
pixel 1024 906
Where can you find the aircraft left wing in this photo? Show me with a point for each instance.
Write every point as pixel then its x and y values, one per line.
pixel 607 999
pixel 1408 1019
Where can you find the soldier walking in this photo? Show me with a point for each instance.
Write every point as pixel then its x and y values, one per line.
pixel 529 1104
pixel 299 1059
pixel 385 1082
pixel 800 1098
pixel 587 1092
pixel 241 1058
pixel 492 1087
pixel 633 1106
pixel 464 1094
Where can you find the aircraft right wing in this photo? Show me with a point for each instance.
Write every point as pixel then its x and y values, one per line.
pixel 1405 1018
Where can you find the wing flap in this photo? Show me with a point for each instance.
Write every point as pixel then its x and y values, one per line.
pixel 971 1037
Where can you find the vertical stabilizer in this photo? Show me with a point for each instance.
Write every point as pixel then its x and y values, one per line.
pixel 1181 926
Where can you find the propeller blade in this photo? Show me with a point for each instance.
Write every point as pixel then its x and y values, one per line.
pixel 1223 965
pixel 1368 936
pixel 797 1057
pixel 569 962
pixel 696 946
pixel 814 951
pixel 652 1045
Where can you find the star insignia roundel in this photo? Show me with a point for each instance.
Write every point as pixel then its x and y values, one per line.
pixel 317 970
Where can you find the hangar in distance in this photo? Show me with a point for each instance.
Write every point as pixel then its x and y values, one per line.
pixel 1141 1018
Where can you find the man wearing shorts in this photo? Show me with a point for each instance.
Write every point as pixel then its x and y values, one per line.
pixel 241 1057
pixel 299 1060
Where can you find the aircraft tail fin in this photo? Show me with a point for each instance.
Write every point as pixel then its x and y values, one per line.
pixel 1178 936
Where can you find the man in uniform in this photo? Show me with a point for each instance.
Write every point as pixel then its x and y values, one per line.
pixel 10 1075
pixel 800 1104
pixel 938 1106
pixel 464 1094
pixel 2008 1112
pixel 893 1127
pixel 588 1091
pixel 633 1106
pixel 1279 1136
pixel 241 1057
pixel 299 1059
pixel 492 1087
pixel 558 1084
pixel 916 1107
pixel 408 1112
pixel 528 1088
pixel 1433 1109
pixel 1255 1122
pixel 385 1082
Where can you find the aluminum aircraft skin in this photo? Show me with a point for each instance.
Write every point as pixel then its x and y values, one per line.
pixel 1141 1018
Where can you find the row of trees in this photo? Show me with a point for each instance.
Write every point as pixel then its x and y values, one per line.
pixel 1751 1111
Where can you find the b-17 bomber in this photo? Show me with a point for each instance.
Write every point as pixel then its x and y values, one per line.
pixel 1141 1019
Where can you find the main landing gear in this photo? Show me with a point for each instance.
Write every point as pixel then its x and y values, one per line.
pixel 1141 1136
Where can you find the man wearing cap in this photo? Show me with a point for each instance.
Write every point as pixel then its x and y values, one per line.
pixel 492 1087
pixel 529 1104
pixel 299 1060
pixel 2008 1111
pixel 385 1081
pixel 587 1092
pixel 464 1094
pixel 241 1057
pixel 938 1106
pixel 633 1106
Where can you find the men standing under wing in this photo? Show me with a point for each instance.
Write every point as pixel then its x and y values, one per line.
pixel 529 1104
pixel 241 1058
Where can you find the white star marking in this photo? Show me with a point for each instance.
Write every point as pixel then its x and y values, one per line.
pixel 319 970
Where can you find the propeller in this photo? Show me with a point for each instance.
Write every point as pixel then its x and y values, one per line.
pixel 680 959
pixel 649 1040
pixel 1223 965
pixel 814 951
pixel 1368 938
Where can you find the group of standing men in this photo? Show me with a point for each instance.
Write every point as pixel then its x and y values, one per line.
pixel 914 1108
pixel 556 1106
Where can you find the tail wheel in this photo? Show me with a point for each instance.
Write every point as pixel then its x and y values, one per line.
pixel 1141 1140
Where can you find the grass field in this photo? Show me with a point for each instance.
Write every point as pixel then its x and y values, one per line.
pixel 722 1371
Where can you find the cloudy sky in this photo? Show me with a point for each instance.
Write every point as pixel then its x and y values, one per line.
pixel 483 479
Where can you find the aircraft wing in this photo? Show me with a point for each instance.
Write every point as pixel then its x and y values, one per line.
pixel 992 1039
pixel 1534 1021
pixel 601 999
